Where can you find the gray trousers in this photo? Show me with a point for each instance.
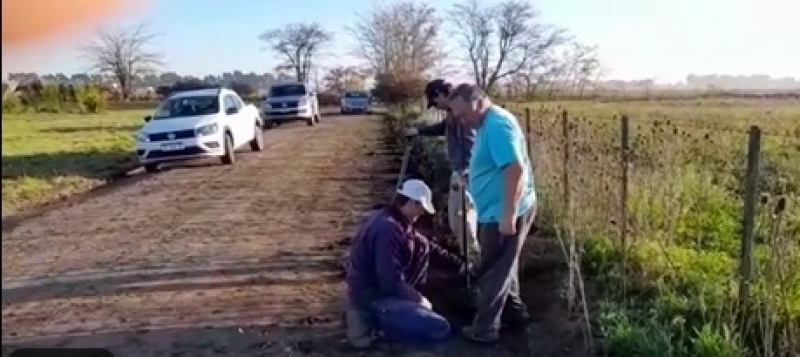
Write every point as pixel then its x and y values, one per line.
pixel 498 272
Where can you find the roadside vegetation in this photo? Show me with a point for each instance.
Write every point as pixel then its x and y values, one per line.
pixel 670 285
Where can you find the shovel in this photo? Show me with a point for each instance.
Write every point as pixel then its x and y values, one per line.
pixel 403 168
pixel 464 239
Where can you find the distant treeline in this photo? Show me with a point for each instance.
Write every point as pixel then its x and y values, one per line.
pixel 66 98
pixel 54 98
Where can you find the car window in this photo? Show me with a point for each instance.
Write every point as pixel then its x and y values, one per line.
pixel 236 101
pixel 287 90
pixel 187 106
pixel 229 102
pixel 356 95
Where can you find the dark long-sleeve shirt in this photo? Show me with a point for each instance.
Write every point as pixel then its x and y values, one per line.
pixel 459 137
pixel 389 258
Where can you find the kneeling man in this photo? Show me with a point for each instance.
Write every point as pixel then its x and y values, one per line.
pixel 388 261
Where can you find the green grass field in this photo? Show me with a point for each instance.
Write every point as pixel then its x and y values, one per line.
pixel 673 290
pixel 46 156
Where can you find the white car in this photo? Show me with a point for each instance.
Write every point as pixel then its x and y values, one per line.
pixel 212 122
pixel 355 102
pixel 290 101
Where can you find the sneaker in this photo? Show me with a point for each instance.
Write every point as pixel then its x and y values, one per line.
pixel 472 335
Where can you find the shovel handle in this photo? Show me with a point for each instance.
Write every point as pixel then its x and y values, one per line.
pixel 403 169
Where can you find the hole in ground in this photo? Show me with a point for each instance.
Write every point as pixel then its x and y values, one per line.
pixel 554 331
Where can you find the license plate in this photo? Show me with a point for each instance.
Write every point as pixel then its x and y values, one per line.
pixel 172 147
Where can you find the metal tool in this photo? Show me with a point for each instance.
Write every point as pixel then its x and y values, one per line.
pixel 464 238
pixel 403 168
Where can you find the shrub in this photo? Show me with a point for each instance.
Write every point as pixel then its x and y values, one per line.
pixel 51 99
pixel 91 99
pixel 398 88
pixel 12 104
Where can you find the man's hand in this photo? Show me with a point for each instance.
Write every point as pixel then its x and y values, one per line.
pixel 508 225
pixel 411 132
pixel 426 304
pixel 458 181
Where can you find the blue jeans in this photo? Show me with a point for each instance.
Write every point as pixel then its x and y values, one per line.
pixel 397 321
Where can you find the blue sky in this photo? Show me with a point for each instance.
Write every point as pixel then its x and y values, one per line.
pixel 664 40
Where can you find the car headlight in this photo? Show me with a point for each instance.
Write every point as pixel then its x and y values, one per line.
pixel 142 137
pixel 208 129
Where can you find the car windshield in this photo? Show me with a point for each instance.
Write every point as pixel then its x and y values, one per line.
pixel 287 90
pixel 187 106
pixel 356 95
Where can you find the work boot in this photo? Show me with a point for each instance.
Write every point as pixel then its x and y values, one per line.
pixel 485 338
pixel 515 318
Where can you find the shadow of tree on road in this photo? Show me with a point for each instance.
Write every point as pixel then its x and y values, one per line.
pixel 88 164
pixel 92 129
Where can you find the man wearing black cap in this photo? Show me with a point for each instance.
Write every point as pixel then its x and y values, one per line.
pixel 460 139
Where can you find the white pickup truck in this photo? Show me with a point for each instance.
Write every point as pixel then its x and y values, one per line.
pixel 212 122
pixel 290 101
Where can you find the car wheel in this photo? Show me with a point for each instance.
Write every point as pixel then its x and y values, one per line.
pixel 257 144
pixel 310 121
pixel 342 112
pixel 151 168
pixel 318 117
pixel 229 157
pixel 269 125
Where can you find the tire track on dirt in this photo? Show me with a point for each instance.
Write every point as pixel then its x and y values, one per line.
pixel 175 261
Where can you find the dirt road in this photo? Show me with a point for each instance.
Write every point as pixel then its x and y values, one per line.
pixel 203 259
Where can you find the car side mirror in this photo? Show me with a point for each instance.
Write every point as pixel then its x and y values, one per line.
pixel 231 110
pixel 148 118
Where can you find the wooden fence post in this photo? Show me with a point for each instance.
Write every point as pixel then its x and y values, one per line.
pixel 625 147
pixel 751 189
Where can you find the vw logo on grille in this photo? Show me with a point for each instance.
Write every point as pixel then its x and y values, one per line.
pixel 171 136
pixel 284 105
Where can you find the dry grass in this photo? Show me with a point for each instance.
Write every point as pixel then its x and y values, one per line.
pixel 674 286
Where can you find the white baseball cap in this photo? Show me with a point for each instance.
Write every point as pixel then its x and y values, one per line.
pixel 418 191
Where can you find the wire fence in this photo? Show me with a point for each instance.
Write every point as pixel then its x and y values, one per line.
pixel 699 220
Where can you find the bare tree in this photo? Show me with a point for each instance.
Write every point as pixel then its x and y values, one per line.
pixel 582 65
pixel 124 53
pixel 399 37
pixel 400 44
pixel 299 44
pixel 502 40
pixel 342 78
pixel 536 74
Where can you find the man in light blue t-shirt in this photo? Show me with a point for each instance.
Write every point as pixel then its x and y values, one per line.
pixel 502 186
